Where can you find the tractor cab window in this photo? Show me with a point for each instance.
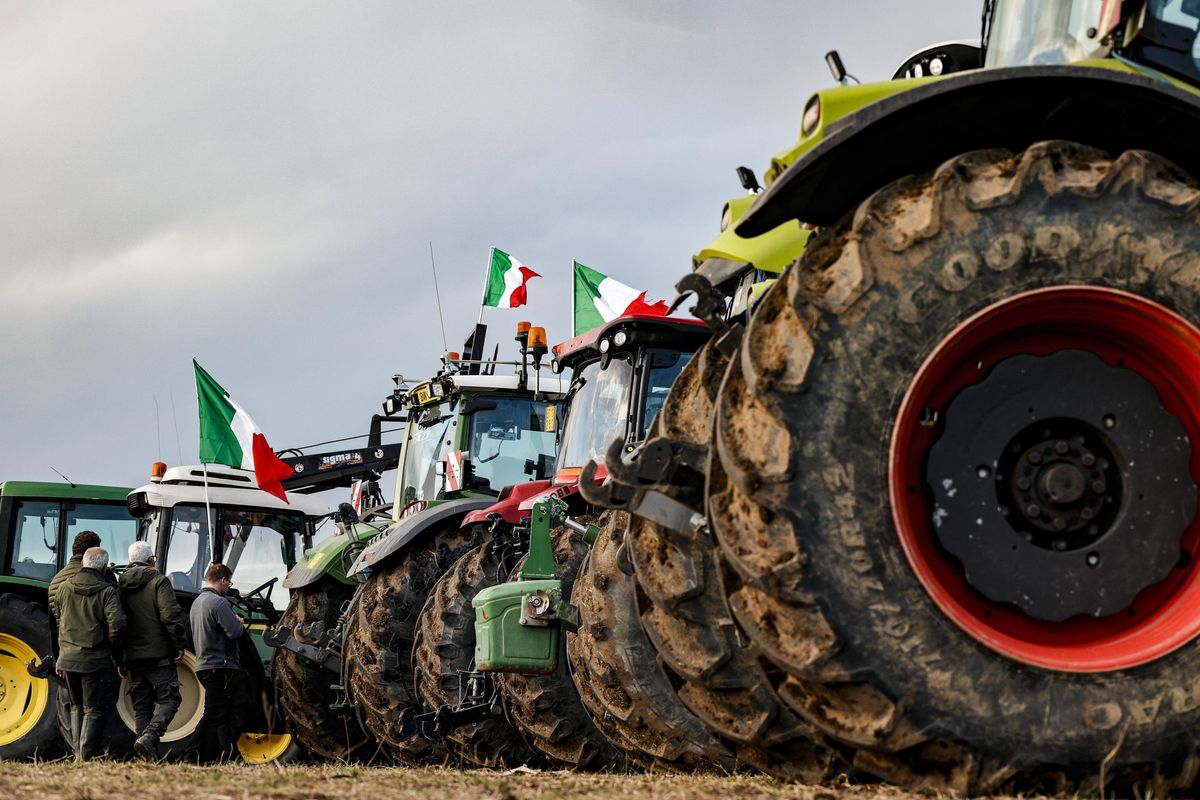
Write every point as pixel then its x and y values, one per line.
pixel 188 548
pixel 1168 39
pixel 36 546
pixel 112 522
pixel 508 434
pixel 663 367
pixel 258 546
pixel 1036 32
pixel 598 412
pixel 430 435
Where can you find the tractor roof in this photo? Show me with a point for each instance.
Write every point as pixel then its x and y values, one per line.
pixel 639 328
pixel 227 486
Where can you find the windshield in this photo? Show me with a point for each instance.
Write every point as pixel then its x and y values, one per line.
pixel 511 443
pixel 256 544
pixel 598 412
pixel 430 433
pixel 1028 32
pixel 665 366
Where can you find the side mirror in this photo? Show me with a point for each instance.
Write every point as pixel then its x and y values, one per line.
pixel 749 180
pixel 479 404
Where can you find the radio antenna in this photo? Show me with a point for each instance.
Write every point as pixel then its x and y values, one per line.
pixel 64 477
pixel 438 295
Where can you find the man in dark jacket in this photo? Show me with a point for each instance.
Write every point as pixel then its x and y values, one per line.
pixel 154 642
pixel 91 630
pixel 83 541
pixel 215 631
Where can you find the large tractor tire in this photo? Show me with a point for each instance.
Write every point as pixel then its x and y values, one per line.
pixel 445 650
pixel 616 670
pixel 379 640
pixel 28 724
pixel 685 614
pixel 959 438
pixel 304 690
pixel 547 708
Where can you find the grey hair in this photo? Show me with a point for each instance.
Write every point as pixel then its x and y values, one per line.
pixel 140 552
pixel 95 558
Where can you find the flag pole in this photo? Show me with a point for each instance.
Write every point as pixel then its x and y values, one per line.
pixel 212 538
pixel 574 332
pixel 487 273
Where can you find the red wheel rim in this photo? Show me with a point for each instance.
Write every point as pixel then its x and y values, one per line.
pixel 1124 330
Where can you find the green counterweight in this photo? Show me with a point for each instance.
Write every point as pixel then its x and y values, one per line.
pixel 518 624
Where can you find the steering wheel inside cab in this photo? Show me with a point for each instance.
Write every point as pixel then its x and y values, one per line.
pixel 257 601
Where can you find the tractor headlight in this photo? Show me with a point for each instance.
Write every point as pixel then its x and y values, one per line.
pixel 812 115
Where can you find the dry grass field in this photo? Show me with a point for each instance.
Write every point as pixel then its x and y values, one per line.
pixel 135 781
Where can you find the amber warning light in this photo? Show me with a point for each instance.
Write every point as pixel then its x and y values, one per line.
pixel 157 470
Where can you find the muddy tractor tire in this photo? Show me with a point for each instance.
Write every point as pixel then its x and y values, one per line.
pixel 380 635
pixel 304 690
pixel 616 670
pixel 28 721
pixel 959 440
pixel 445 649
pixel 547 708
pixel 687 618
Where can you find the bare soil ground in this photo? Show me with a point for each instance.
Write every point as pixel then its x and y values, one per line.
pixel 136 781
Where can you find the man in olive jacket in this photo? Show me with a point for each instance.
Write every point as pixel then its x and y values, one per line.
pixel 83 541
pixel 91 630
pixel 154 642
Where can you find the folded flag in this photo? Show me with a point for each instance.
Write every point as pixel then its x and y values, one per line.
pixel 600 299
pixel 506 281
pixel 228 436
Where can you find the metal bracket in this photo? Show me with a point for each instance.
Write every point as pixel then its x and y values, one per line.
pixel 481 700
pixel 669 466
pixel 42 669
pixel 324 650
pixel 712 305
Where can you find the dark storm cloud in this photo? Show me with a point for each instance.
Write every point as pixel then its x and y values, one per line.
pixel 256 185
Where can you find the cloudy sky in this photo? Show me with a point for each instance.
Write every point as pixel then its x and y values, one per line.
pixel 256 185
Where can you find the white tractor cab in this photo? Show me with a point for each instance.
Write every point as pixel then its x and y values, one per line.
pixel 195 516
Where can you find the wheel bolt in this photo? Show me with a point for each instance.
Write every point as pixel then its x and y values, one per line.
pixel 1085 513
pixel 1034 457
pixel 1098 487
pixel 1023 484
pixel 1093 559
pixel 1033 510
pixel 1060 545
pixel 1087 459
pixel 1059 523
pixel 1061 447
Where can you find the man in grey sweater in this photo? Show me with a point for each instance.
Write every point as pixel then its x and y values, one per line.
pixel 216 631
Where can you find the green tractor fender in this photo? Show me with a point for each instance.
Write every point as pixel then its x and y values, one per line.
pixel 413 529
pixel 1103 103
pixel 331 558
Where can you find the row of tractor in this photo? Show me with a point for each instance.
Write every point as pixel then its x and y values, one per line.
pixel 913 498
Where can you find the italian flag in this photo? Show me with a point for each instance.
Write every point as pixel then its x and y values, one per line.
pixel 228 436
pixel 600 299
pixel 506 281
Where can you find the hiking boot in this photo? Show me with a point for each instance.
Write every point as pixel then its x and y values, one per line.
pixel 146 746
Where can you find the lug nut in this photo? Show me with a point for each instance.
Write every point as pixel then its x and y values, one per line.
pixel 1060 545
pixel 1061 447
pixel 1086 514
pixel 1033 510
pixel 1098 487
pixel 1093 559
pixel 1023 484
pixel 1034 457
pixel 1059 523
pixel 1087 459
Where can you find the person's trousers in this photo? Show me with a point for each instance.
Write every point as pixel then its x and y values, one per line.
pixel 93 696
pixel 224 691
pixel 154 692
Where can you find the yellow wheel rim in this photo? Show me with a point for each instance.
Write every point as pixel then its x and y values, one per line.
pixel 263 748
pixel 23 698
pixel 191 706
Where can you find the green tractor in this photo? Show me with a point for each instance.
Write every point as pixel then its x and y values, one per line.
pixel 469 433
pixel 39 521
pixel 621 373
pixel 952 489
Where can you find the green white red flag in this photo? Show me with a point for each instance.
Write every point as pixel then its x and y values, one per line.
pixel 506 281
pixel 600 299
pixel 229 436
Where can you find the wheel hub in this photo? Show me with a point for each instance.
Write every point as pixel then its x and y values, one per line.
pixel 1062 485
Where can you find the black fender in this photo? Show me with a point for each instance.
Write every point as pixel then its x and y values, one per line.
pixel 915 131
pixel 412 529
